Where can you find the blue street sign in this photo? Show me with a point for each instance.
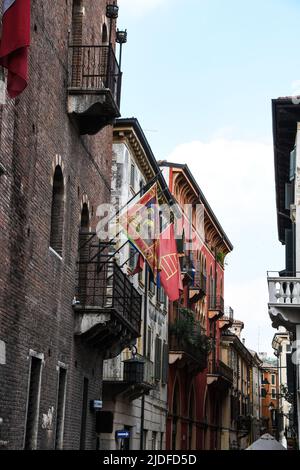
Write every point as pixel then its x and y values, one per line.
pixel 122 434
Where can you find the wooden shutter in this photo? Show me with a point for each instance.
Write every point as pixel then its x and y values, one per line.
pixel 165 364
pixel 158 347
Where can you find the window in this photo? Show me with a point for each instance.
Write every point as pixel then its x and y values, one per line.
pixel 154 440
pixel 132 175
pixel 84 413
pixel 145 439
pixel 33 403
pixel 61 404
pixel 149 343
pixel 158 347
pixel 273 379
pixel 104 34
pixel 133 256
pixel 273 393
pixel 162 436
pixel 151 284
pixel 57 212
pixel 165 364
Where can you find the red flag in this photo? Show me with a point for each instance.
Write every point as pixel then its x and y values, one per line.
pixel 139 266
pixel 15 41
pixel 170 274
pixel 141 224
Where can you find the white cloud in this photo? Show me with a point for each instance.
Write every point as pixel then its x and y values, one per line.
pixel 139 7
pixel 250 306
pixel 237 178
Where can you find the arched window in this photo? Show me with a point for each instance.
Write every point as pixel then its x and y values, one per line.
pixel 211 289
pixel 85 218
pixel 104 34
pixel 57 212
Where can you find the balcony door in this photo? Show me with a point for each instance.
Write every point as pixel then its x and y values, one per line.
pixel 83 255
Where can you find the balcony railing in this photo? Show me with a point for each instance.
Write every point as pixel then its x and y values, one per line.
pixel 284 290
pixel 118 372
pixel 200 281
pixel 102 285
pixel 95 68
pixel 187 337
pixel 228 314
pixel 216 302
pixel 220 369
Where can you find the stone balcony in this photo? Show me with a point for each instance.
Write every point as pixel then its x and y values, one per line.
pixel 284 300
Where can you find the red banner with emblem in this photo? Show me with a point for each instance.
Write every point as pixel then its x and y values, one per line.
pixel 140 222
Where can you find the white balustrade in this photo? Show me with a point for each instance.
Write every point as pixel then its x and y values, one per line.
pixel 284 290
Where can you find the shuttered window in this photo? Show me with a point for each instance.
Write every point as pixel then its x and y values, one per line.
pixel 149 343
pixel 165 364
pixel 132 175
pixel 158 353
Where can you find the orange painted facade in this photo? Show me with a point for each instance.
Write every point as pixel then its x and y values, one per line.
pixel 269 398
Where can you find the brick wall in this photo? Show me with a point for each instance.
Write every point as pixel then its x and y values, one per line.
pixel 36 286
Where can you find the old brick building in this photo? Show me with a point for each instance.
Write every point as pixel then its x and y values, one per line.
pixel 54 176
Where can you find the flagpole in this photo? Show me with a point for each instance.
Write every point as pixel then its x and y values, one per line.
pixel 142 190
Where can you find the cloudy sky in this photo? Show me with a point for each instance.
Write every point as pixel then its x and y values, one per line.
pixel 200 76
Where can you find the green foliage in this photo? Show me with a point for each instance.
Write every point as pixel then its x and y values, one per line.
pixel 221 257
pixel 187 329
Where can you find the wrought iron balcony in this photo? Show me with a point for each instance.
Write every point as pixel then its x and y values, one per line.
pixel 130 377
pixel 188 343
pixel 227 319
pixel 215 307
pixel 198 287
pixel 94 88
pixel 219 375
pixel 107 306
pixel 284 299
